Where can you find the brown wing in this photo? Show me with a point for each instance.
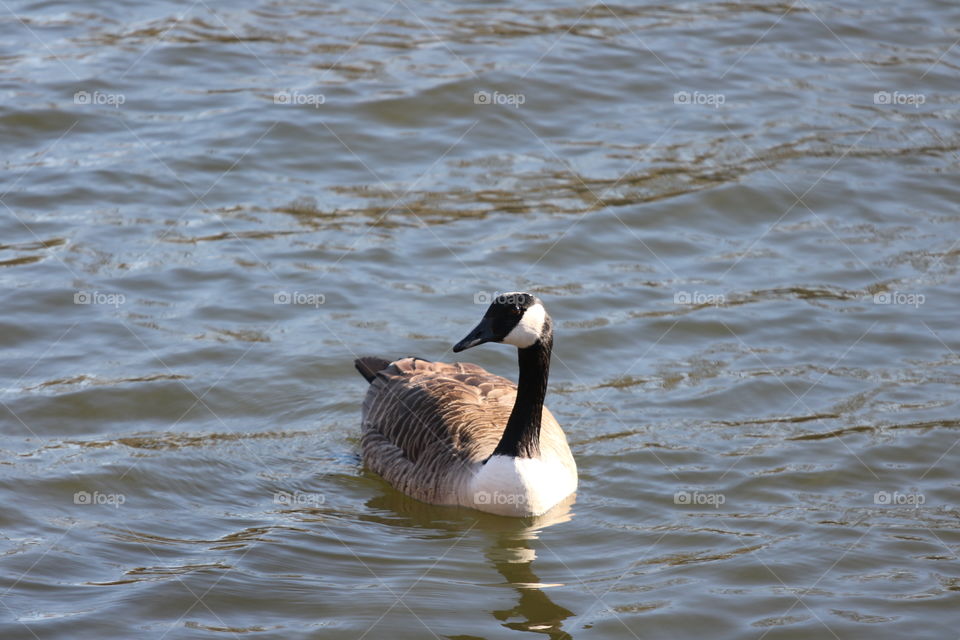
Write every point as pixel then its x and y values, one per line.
pixel 425 423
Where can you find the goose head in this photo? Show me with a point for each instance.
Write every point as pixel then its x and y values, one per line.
pixel 516 318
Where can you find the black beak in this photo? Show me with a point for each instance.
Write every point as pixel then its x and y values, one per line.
pixel 481 333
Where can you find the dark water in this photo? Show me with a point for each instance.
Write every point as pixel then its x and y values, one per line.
pixel 742 216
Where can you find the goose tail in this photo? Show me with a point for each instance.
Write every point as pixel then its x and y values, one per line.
pixel 369 366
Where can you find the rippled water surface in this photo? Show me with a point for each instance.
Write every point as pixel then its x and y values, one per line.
pixel 743 218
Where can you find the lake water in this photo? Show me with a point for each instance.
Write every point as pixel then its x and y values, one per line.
pixel 743 218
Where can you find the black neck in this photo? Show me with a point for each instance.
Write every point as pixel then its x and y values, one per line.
pixel 521 438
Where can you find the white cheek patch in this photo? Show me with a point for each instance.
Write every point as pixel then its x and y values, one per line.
pixel 529 329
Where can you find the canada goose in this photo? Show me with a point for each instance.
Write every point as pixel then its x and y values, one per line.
pixel 457 434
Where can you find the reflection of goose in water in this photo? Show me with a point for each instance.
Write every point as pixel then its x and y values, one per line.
pixel 456 434
pixel 513 557
pixel 510 552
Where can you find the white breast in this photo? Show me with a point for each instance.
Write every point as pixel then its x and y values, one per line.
pixel 519 486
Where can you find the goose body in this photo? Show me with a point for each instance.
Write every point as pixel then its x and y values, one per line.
pixel 456 434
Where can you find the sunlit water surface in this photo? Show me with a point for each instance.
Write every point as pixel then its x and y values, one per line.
pixel 742 216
